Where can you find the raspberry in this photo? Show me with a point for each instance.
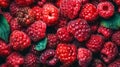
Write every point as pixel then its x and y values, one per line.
pixel 4 3
pixel 50 14
pixel 41 2
pixel 80 29
pixel 116 38
pixel 32 50
pixel 64 35
pixel 84 1
pixel 117 2
pixel 116 63
pixel 84 56
pixel 89 12
pixel 19 40
pixel 48 54
pixel 4 65
pixel 95 43
pixel 119 9
pixel 24 2
pixel 105 9
pixel 15 60
pixel 58 3
pixel 8 16
pixel 94 28
pixel 66 53
pixel 70 8
pixel 62 22
pixel 98 63
pixel 37 30
pixel 30 60
pixel 109 52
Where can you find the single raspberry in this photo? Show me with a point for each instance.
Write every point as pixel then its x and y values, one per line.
pixel 37 30
pixel 24 2
pixel 105 9
pixel 15 60
pixel 64 35
pixel 66 53
pixel 89 12
pixel 34 51
pixel 19 40
pixel 41 2
pixel 70 8
pixel 80 29
pixel 116 63
pixel 52 40
pixel 50 14
pixel 95 43
pixel 8 16
pixel 116 38
pixel 84 57
pixel 48 54
pixel 4 3
pixel 30 60
pixel 109 52
pixel 106 32
pixel 98 63
pixel 117 2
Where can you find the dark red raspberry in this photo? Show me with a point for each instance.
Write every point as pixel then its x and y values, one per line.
pixel 106 32
pixel 19 40
pixel 48 54
pixel 37 30
pixel 116 38
pixel 4 3
pixel 70 8
pixel 95 43
pixel 84 1
pixel 52 40
pixel 117 2
pixel 116 63
pixel 66 53
pixel 89 12
pixel 50 14
pixel 64 35
pixel 80 29
pixel 105 9
pixel 34 51
pixel 15 60
pixel 109 52
pixel 24 2
pixel 30 60
pixel 62 22
pixel 98 63
pixel 94 28
pixel 84 57
pixel 41 2
pixel 8 16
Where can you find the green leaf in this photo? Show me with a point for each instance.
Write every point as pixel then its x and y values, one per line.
pixel 41 45
pixel 4 28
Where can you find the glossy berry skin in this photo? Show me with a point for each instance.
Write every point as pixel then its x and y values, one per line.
pixel 4 3
pixel 116 63
pixel 66 53
pixel 105 9
pixel 95 43
pixel 117 2
pixel 70 8
pixel 89 12
pixel 84 56
pixel 109 52
pixel 80 29
pixel 7 16
pixel 37 31
pixel 19 40
pixel 24 2
pixel 15 60
pixel 98 63
pixel 50 14
pixel 116 38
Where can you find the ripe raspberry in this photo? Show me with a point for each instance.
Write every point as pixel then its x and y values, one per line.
pixel 37 30
pixel 94 28
pixel 15 60
pixel 106 32
pixel 117 2
pixel 80 29
pixel 4 3
pixel 52 40
pixel 50 14
pixel 66 53
pixel 116 63
pixel 98 63
pixel 30 60
pixel 95 43
pixel 19 40
pixel 70 8
pixel 105 9
pixel 48 54
pixel 58 3
pixel 116 38
pixel 24 2
pixel 64 35
pixel 109 52
pixel 84 56
pixel 8 16
pixel 89 12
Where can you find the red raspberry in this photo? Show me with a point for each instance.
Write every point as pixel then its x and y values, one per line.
pixel 80 29
pixel 30 60
pixel 19 40
pixel 89 12
pixel 105 9
pixel 62 22
pixel 70 8
pixel 117 2
pixel 41 2
pixel 98 63
pixel 15 60
pixel 84 57
pixel 50 14
pixel 116 63
pixel 66 53
pixel 94 28
pixel 24 2
pixel 95 43
pixel 37 30
pixel 109 52
pixel 106 32
pixel 64 35
pixel 8 16
pixel 116 38
pixel 58 3
pixel 4 3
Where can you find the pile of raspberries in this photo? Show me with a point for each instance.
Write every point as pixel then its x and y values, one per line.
pixel 74 35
